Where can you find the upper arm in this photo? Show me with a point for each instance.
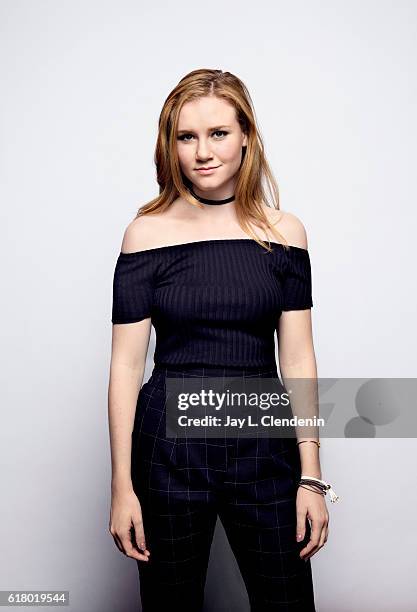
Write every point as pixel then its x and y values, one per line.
pixel 133 296
pixel 130 344
pixel 295 337
pixel 294 328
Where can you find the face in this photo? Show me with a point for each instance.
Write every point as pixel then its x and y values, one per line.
pixel 209 136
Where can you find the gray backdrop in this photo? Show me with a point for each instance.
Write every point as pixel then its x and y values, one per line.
pixel 83 83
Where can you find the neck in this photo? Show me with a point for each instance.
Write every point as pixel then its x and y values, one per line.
pixel 211 201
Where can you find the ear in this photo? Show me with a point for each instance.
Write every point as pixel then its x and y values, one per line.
pixel 245 141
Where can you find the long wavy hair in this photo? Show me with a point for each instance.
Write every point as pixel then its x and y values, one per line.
pixel 254 170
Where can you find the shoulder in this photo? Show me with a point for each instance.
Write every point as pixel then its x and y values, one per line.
pixel 143 233
pixel 159 229
pixel 289 226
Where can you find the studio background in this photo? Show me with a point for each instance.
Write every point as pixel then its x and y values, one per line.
pixel 334 90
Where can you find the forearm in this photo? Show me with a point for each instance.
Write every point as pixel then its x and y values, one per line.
pixel 124 386
pixel 304 403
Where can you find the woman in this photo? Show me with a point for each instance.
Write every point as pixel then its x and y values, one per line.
pixel 196 262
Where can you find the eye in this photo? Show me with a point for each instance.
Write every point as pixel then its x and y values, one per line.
pixel 184 137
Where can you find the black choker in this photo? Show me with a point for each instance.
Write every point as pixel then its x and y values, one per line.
pixel 207 201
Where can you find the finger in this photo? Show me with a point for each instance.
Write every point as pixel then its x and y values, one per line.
pixel 322 523
pixel 326 534
pixel 319 545
pixel 301 525
pixel 139 536
pixel 118 543
pixel 116 538
pixel 131 550
pixel 311 547
pixel 327 528
pixel 323 536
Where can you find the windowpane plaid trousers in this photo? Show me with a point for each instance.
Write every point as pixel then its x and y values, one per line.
pixel 184 484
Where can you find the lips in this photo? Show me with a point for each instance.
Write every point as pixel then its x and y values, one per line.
pixel 206 171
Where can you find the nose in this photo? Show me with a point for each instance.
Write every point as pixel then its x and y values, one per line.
pixel 203 150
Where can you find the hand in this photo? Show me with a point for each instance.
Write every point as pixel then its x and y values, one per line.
pixel 126 525
pixel 313 506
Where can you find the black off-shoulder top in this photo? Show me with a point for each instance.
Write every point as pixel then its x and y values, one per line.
pixel 212 302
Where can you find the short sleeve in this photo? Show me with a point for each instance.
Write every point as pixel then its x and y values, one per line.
pixel 133 287
pixel 297 282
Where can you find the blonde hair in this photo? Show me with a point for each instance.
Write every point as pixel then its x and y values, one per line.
pixel 249 191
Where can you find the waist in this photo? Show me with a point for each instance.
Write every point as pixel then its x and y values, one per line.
pixel 168 370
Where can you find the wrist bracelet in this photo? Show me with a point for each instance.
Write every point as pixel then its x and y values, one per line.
pixel 321 484
pixel 320 492
pixel 315 442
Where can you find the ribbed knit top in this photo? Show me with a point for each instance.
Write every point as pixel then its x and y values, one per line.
pixel 212 302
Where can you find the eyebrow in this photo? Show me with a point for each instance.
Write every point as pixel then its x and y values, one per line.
pixel 212 129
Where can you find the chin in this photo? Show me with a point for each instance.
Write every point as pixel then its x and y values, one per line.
pixel 208 185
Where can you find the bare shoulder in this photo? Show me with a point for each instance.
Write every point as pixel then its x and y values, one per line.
pixel 140 233
pixel 149 231
pixel 290 226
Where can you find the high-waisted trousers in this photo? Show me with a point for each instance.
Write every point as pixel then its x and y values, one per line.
pixel 183 485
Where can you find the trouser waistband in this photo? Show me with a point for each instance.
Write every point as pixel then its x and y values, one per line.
pixel 209 370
